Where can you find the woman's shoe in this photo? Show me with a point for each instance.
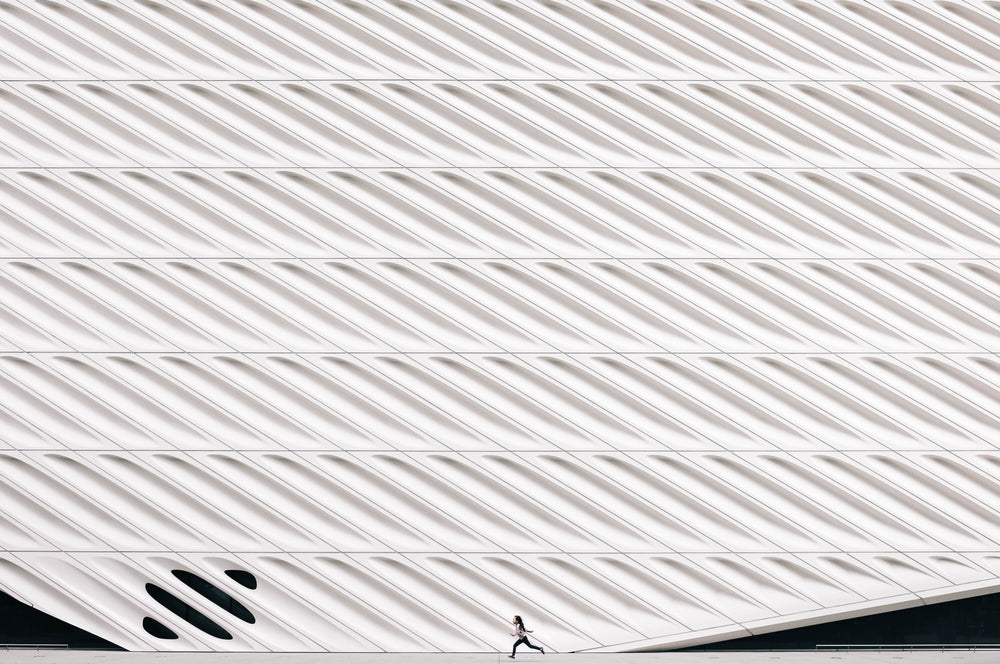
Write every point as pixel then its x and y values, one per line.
pixel 543 651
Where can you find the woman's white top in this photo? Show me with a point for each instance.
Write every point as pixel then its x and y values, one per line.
pixel 519 631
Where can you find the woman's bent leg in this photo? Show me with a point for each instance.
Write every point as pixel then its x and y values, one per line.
pixel 521 640
pixel 530 644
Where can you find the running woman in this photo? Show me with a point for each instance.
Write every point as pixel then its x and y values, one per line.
pixel 522 637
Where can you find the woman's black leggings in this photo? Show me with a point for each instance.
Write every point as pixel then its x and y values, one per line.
pixel 526 642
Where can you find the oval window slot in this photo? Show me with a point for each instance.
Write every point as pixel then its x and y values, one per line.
pixel 242 577
pixel 157 629
pixel 186 612
pixel 216 595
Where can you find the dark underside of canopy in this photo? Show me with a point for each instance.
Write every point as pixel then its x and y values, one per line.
pixel 22 624
pixel 974 620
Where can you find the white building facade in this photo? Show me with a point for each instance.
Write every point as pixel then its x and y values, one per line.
pixel 330 325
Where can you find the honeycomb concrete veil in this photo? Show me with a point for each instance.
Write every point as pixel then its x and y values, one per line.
pixel 333 325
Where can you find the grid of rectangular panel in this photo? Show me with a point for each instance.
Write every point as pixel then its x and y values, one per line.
pixel 657 323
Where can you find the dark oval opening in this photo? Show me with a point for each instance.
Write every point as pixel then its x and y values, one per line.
pixel 214 594
pixel 187 612
pixel 156 628
pixel 243 578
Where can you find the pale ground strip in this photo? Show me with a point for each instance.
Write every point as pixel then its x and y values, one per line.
pixel 811 657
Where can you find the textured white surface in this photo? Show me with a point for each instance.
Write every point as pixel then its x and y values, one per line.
pixel 811 657
pixel 656 323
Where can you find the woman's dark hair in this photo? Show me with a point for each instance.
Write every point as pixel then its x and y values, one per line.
pixel 519 621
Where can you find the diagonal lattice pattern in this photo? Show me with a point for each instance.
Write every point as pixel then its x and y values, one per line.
pixel 658 323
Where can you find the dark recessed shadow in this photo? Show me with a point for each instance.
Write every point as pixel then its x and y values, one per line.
pixel 969 620
pixel 21 623
pixel 186 612
pixel 215 595
pixel 155 628
pixel 243 578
